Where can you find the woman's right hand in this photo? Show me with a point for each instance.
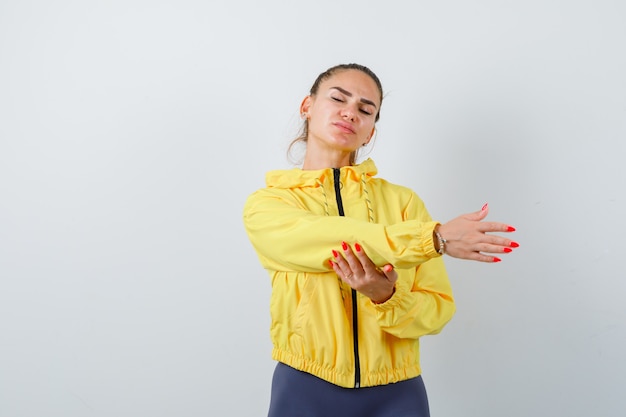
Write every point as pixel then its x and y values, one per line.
pixel 466 237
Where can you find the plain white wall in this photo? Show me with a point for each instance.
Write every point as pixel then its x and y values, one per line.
pixel 132 131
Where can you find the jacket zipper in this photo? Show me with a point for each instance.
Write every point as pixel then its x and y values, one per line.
pixel 355 314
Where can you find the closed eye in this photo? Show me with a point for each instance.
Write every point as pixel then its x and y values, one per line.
pixel 337 99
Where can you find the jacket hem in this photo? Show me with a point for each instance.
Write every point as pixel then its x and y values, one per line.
pixel 368 379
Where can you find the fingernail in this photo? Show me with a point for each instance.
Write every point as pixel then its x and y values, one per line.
pixel 357 247
pixel 344 245
pixel 387 268
pixel 330 261
pixel 335 254
pixel 496 259
pixel 507 250
pixel 485 207
pixel 510 229
pixel 514 245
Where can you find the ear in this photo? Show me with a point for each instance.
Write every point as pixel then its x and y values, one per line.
pixel 305 105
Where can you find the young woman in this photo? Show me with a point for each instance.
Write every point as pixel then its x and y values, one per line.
pixel 355 264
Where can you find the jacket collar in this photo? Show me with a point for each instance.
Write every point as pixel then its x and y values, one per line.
pixel 297 177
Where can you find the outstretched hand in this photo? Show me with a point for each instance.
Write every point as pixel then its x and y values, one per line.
pixel 466 237
pixel 357 270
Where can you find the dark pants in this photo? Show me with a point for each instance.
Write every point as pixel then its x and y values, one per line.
pixel 299 394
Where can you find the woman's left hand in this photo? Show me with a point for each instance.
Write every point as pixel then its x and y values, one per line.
pixel 357 270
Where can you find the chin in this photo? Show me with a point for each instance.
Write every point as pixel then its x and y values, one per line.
pixel 345 143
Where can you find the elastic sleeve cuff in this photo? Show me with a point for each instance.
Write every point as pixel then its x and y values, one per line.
pixel 393 302
pixel 427 239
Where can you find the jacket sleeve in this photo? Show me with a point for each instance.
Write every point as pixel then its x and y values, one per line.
pixel 287 237
pixel 422 304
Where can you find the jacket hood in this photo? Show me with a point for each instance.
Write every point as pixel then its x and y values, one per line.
pixel 297 177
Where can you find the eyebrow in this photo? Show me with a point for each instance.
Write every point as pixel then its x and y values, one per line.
pixel 349 94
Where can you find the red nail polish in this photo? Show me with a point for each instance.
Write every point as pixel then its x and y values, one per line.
pixel 344 245
pixel 332 265
pixel 510 229
pixel 507 250
pixel 335 254
pixel 357 247
pixel 485 207
pixel 496 259
pixel 514 245
pixel 387 268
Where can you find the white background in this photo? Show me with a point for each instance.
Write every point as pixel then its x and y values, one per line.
pixel 132 131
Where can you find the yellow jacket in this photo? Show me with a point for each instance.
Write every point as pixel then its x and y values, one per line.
pixel 294 223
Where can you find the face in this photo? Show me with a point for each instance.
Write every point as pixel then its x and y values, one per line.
pixel 342 114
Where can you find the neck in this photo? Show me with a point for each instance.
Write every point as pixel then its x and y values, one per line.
pixel 336 161
pixel 325 158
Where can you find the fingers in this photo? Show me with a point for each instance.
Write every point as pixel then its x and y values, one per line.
pixel 494 249
pixel 353 263
pixel 356 269
pixel 493 243
pixel 342 267
pixel 478 215
pixel 359 261
pixel 481 249
pixel 347 266
pixel 364 260
pixel 495 227
pixel 469 237
pixel 481 257
pixel 390 273
pixel 481 252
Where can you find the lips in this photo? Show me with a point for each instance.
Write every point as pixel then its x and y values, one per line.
pixel 346 127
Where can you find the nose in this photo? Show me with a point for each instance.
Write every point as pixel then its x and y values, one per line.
pixel 348 113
